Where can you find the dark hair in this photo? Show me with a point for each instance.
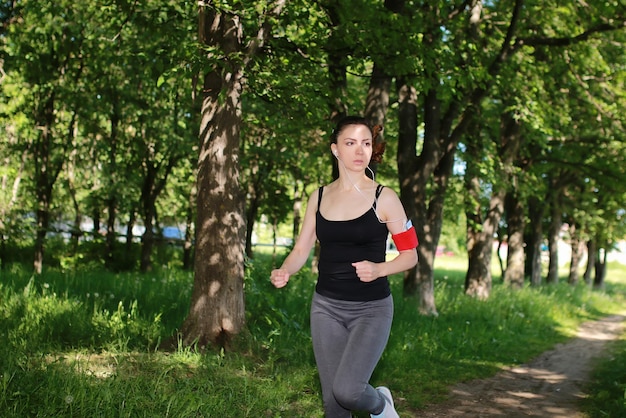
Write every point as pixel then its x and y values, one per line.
pixel 378 147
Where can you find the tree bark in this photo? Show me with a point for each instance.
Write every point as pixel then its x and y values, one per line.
pixel 420 279
pixel 514 275
pixel 128 245
pixel 377 101
pixel 148 213
pixel 591 260
pixel 600 269
pixel 478 280
pixel 111 202
pixel 534 240
pixel 46 173
pixel 252 210
pixel 298 199
pixel 189 229
pixel 152 187
pixel 577 251
pixel 6 218
pixel 482 228
pixel 553 240
pixel 217 307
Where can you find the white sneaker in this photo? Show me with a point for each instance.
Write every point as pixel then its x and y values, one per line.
pixel 390 410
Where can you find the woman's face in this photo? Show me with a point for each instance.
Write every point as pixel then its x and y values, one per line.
pixel 354 146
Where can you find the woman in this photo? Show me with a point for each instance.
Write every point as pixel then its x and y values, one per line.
pixel 352 307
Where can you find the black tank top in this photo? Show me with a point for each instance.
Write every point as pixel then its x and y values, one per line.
pixel 345 242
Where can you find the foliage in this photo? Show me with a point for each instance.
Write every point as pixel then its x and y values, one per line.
pixel 128 73
pixel 86 342
pixel 98 108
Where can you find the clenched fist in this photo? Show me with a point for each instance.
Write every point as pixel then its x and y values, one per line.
pixel 366 271
pixel 279 278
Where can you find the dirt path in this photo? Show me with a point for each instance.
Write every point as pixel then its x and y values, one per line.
pixel 549 386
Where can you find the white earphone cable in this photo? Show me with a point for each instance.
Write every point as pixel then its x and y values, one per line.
pixel 362 194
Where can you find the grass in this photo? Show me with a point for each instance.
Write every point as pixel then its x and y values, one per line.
pixel 608 388
pixel 84 343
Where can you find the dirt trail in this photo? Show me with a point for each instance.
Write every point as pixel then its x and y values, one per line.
pixel 549 386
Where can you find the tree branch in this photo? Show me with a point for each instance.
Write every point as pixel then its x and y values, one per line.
pixel 479 93
pixel 564 41
pixel 264 31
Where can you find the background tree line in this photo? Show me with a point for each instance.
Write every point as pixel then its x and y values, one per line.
pixel 504 117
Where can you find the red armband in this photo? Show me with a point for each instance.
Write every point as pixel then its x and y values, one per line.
pixel 406 240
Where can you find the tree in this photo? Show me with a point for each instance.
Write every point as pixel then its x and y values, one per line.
pixel 46 52
pixel 475 42
pixel 482 227
pixel 216 314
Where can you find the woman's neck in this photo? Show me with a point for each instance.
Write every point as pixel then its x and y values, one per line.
pixel 360 182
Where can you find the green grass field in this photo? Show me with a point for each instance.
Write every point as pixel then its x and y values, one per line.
pixel 84 343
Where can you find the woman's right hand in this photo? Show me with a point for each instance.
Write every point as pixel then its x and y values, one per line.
pixel 279 278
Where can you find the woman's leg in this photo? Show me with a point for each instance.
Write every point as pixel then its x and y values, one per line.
pixel 369 327
pixel 329 336
pixel 348 340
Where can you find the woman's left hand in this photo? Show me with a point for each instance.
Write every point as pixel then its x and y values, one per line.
pixel 366 270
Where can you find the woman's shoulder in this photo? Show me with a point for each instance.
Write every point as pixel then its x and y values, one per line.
pixel 388 195
pixel 316 195
pixel 385 190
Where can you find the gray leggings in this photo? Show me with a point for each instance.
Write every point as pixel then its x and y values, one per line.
pixel 348 339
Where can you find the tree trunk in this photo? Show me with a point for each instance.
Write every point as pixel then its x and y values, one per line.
pixel 71 189
pixel 514 275
pixel 577 250
pixel 111 238
pixel 431 232
pixel 6 217
pixel 252 211
pixel 126 260
pixel 420 279
pixel 111 202
pixel 338 86
pixel 553 241
pixel 600 269
pixel 478 279
pixel 377 101
pixel 480 228
pixel 147 240
pixel 534 240
pixel 591 260
pixel 77 216
pixel 96 221
pixel 189 229
pixel 500 241
pixel 217 307
pixel 150 191
pixel 297 211
pixel 45 177
pixel 148 205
